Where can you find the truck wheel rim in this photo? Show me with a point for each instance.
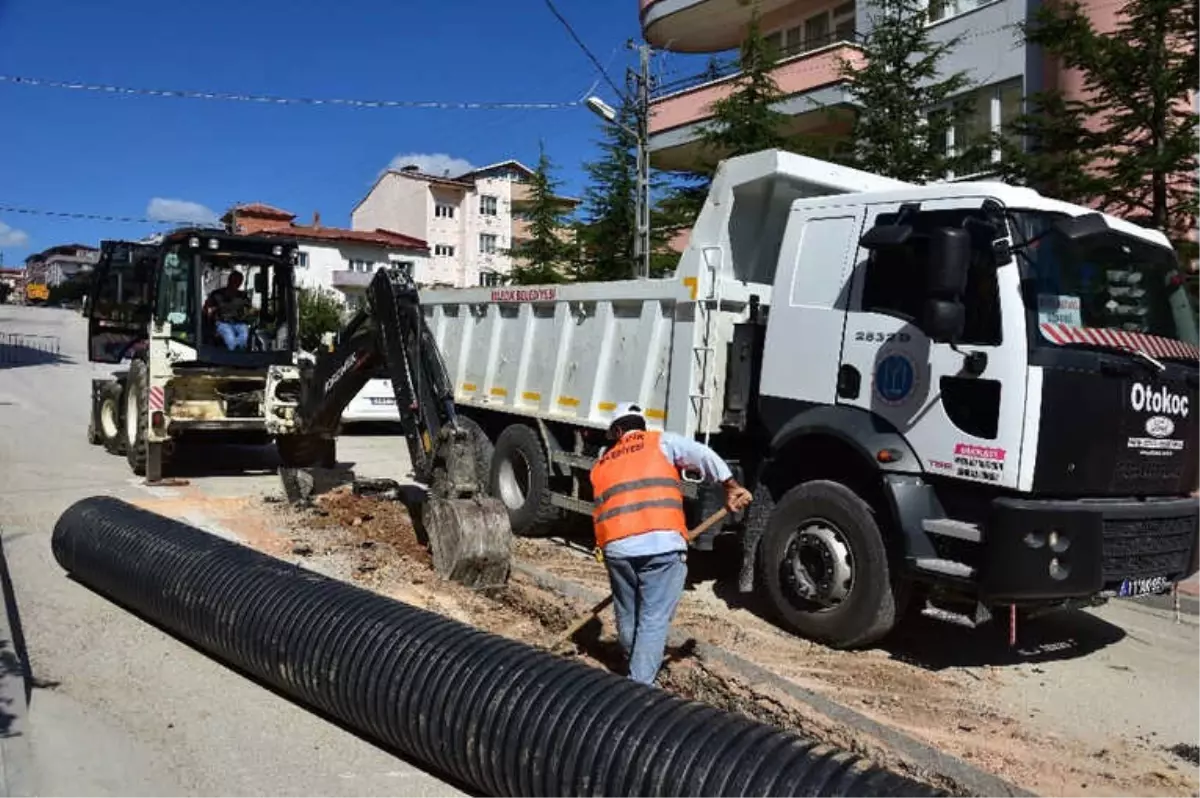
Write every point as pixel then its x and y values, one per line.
pixel 821 549
pixel 131 417
pixel 108 420
pixel 514 481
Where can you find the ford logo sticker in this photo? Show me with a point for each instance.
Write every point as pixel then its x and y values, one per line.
pixel 1159 426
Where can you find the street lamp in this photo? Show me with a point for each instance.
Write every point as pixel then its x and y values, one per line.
pixel 641 244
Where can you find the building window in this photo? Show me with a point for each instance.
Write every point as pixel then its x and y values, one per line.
pixel 490 278
pixel 363 266
pixel 820 30
pixel 443 249
pixel 302 260
pixel 487 243
pixel 945 9
pixel 993 109
pixel 487 205
pixel 443 211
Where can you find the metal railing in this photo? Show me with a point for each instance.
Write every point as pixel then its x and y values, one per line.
pixel 23 349
pixel 719 69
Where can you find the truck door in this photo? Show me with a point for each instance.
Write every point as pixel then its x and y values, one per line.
pixel 120 301
pixel 959 406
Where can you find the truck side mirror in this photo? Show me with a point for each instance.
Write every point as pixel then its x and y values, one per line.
pixel 885 236
pixel 943 320
pixel 944 314
pixel 949 259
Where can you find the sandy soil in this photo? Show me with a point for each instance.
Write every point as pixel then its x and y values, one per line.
pixel 371 542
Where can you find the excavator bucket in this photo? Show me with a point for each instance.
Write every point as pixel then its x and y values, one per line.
pixel 470 540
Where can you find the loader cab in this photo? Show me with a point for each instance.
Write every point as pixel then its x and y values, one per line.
pixel 120 300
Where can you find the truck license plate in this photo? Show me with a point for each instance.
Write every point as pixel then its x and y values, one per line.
pixel 383 400
pixel 1144 587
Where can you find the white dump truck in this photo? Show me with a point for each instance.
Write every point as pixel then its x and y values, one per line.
pixel 966 395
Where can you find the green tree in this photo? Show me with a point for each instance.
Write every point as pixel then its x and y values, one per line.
pixel 607 234
pixel 542 257
pixel 1049 147
pixel 1137 155
pixel 905 105
pixel 320 313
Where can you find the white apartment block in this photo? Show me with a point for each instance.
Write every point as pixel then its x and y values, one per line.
pixel 469 221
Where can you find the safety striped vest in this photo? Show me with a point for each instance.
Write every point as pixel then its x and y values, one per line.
pixel 636 490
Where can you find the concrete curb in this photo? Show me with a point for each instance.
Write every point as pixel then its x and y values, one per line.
pixel 16 759
pixel 920 754
pixel 1188 605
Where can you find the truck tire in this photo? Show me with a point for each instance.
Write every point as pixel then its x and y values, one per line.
pixel 93 430
pixel 484 451
pixel 830 529
pixel 110 426
pixel 520 478
pixel 137 416
pixel 306 451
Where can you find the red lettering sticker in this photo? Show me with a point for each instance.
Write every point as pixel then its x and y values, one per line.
pixel 524 294
pixel 978 452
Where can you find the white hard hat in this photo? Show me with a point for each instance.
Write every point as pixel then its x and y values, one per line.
pixel 627 409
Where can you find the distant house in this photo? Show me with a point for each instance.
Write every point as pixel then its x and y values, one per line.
pixel 56 265
pixel 470 220
pixel 333 257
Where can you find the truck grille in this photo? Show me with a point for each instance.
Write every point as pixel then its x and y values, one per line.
pixel 1140 475
pixel 1138 548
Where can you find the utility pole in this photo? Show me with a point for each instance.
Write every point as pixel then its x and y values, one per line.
pixel 641 80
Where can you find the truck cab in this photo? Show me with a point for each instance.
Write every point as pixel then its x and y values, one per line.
pixel 1008 384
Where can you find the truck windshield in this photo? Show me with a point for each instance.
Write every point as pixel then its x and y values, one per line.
pixel 1083 295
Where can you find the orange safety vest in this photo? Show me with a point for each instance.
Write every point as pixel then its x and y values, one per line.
pixel 637 490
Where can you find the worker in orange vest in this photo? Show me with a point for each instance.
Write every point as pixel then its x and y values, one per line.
pixel 641 530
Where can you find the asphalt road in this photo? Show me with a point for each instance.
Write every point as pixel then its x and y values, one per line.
pixel 122 708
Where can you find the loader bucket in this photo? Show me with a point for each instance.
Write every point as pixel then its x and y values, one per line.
pixel 470 540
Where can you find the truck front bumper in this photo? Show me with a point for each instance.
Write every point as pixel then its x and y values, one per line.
pixel 1035 550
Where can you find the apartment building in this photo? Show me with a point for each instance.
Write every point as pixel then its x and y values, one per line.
pixel 813 36
pixel 58 264
pixel 471 220
pixel 334 258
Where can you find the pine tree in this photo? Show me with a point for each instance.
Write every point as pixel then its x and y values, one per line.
pixel 1139 82
pixel 543 257
pixel 906 106
pixel 1050 148
pixel 609 228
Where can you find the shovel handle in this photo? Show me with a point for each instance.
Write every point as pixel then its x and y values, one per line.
pixel 601 605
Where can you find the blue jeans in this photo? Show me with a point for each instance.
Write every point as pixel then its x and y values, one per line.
pixel 233 334
pixel 646 591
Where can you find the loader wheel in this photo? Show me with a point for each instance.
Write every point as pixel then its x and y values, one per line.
pixel 137 416
pixel 110 429
pixel 829 533
pixel 306 451
pixel 520 478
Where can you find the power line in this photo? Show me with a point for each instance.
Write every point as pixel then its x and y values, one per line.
pixel 595 61
pixel 97 217
pixel 104 88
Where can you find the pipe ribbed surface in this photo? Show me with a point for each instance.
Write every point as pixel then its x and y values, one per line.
pixel 498 715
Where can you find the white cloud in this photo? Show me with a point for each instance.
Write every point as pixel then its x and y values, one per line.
pixel 433 163
pixel 12 237
pixel 176 210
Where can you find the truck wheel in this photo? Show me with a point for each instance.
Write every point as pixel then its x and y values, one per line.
pixel 110 429
pixel 828 529
pixel 483 448
pixel 306 451
pixel 520 478
pixel 137 416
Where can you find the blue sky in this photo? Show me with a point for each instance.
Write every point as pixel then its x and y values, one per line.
pixel 77 151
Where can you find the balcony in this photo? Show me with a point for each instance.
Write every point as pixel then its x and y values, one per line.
pixel 814 97
pixel 705 26
pixel 345 278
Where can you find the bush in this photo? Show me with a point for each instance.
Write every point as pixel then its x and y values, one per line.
pixel 320 313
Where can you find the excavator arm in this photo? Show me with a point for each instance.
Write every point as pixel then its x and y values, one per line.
pixel 469 533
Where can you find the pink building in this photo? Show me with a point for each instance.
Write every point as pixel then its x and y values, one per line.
pixel 812 37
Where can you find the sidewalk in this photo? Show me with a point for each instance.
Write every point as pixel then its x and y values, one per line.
pixel 1189 597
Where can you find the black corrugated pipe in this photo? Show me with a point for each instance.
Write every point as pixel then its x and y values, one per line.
pixel 498 715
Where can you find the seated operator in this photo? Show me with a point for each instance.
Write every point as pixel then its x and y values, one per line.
pixel 229 307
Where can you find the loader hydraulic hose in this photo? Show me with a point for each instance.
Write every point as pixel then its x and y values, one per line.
pixel 499 716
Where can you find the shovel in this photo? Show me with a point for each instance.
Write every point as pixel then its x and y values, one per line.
pixel 601 605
